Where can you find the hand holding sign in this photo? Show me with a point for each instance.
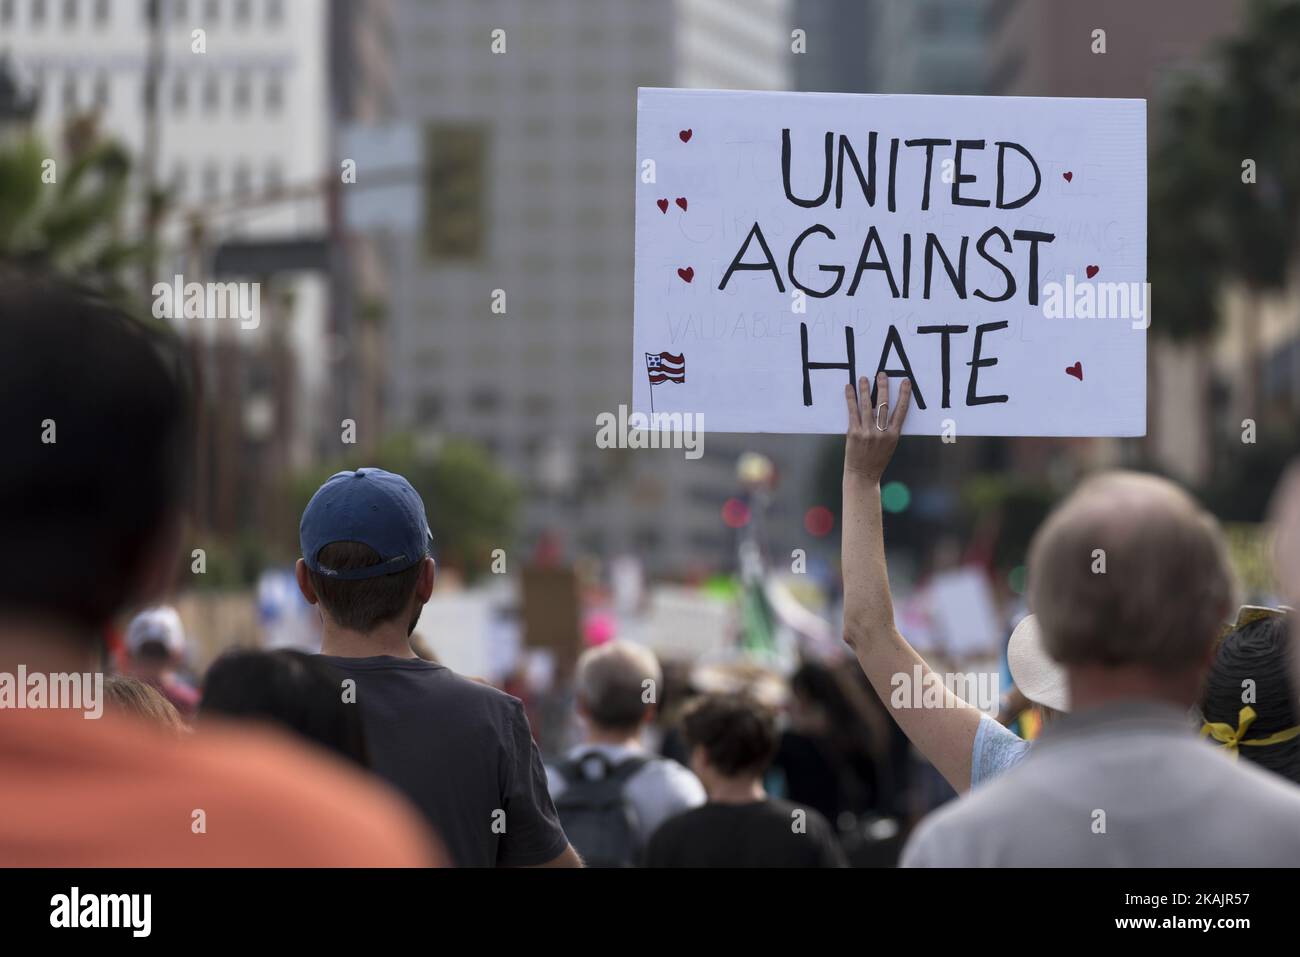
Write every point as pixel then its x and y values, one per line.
pixel 873 432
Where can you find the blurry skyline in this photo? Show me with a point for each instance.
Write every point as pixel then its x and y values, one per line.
pixel 503 179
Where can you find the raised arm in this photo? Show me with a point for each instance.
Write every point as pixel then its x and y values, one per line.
pixel 944 735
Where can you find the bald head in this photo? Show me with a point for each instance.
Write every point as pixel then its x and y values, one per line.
pixel 1129 570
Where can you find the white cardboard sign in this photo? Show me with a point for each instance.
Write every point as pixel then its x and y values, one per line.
pixel 992 248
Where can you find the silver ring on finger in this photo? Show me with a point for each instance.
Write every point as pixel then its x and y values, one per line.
pixel 881 410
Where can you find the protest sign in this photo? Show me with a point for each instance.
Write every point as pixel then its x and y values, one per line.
pixel 991 249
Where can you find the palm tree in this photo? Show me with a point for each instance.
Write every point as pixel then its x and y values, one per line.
pixel 1208 226
pixel 1211 229
pixel 67 218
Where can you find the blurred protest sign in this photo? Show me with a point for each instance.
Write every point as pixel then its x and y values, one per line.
pixel 685 623
pixel 991 249
pixel 963 613
pixel 458 627
pixel 551 614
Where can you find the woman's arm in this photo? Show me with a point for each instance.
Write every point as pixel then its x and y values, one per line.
pixel 946 736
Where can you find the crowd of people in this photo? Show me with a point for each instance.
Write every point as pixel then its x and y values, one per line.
pixel 1170 717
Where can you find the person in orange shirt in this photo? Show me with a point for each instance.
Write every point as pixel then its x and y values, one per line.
pixel 95 415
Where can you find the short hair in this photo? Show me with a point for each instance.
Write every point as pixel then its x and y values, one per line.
pixel 84 510
pixel 139 699
pixel 611 683
pixel 1259 651
pixel 1129 570
pixel 297 691
pixel 736 731
pixel 362 604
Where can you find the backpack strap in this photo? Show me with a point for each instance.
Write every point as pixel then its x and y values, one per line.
pixel 626 769
pixel 574 770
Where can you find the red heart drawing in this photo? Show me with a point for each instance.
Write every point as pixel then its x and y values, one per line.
pixel 1068 176
pixel 685 135
pixel 681 201
pixel 1092 271
pixel 662 204
pixel 1075 370
pixel 687 274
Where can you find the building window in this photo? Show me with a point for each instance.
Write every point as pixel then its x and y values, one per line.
pixel 455 172
pixel 243 12
pixel 6 11
pixel 211 181
pixel 180 93
pixel 101 12
pixel 38 13
pixel 428 408
pixel 69 12
pixel 243 184
pixel 242 95
pixel 485 401
pixel 101 91
pixel 211 93
pixel 274 178
pixel 180 181
pixel 274 11
pixel 70 93
pixel 274 93
pixel 212 12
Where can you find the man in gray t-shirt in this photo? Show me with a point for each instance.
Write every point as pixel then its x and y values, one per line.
pixel 1126 784
pixel 1123 781
pixel 1130 582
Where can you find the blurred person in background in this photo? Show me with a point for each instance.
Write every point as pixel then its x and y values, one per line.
pixel 97 417
pixel 610 792
pixel 675 692
pixel 732 738
pixel 1040 689
pixel 461 750
pixel 290 689
pixel 155 646
pixel 139 699
pixel 1121 780
pixel 828 755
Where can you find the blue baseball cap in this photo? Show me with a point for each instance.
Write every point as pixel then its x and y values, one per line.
pixel 370 506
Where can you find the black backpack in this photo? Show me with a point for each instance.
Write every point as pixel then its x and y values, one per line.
pixel 597 818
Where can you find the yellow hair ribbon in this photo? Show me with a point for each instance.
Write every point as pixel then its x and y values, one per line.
pixel 1230 738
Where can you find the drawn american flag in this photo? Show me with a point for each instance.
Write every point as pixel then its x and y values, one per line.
pixel 665 367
